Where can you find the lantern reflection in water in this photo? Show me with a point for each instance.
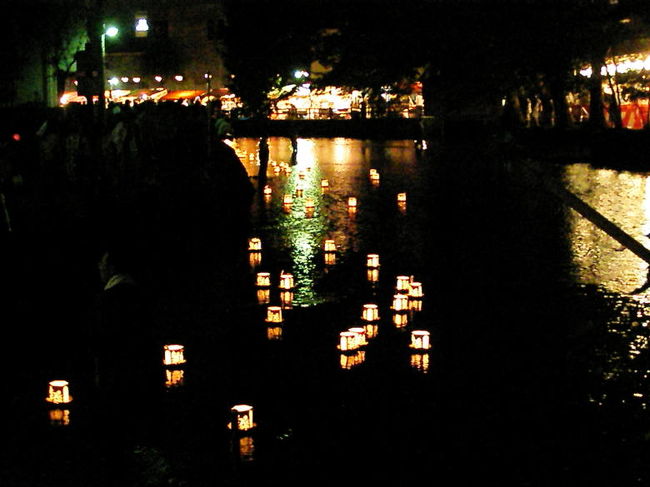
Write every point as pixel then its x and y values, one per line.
pixel 400 320
pixel 401 206
pixel 360 333
pixel 403 284
pixel 58 392
pixel 286 280
pixel 349 360
pixel 371 330
pixel 59 417
pixel 400 302
pixel 254 244
pixel 286 299
pixel 373 275
pixel 274 314
pixel 372 261
pixel 420 362
pixel 301 175
pixel 348 341
pixel 330 246
pixel 263 279
pixel 255 259
pixel 263 296
pixel 274 332
pixel 420 340
pixel 242 417
pixel 330 258
pixel 174 354
pixel 370 312
pixel 415 305
pixel 246 448
pixel 174 378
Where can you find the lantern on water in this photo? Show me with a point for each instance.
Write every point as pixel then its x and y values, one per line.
pixel 400 320
pixel 372 261
pixel 263 279
pixel 286 299
pixel 286 280
pixel 420 340
pixel 264 296
pixel 309 204
pixel 403 284
pixel 330 246
pixel 415 290
pixel 174 354
pixel 174 378
pixel 58 392
pixel 330 258
pixel 401 197
pixel 274 332
pixel 287 200
pixel 373 173
pixel 420 362
pixel 59 417
pixel 400 302
pixel 373 275
pixel 360 333
pixel 371 330
pixel 267 190
pixel 370 312
pixel 348 341
pixel 274 314
pixel 254 244
pixel 324 184
pixel 242 417
pixel 352 202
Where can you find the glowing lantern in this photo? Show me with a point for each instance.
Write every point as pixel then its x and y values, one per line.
pixel 301 175
pixel 420 362
pixel 286 299
pixel 415 290
pixel 274 314
pixel 372 260
pixel 401 197
pixel 370 312
pixel 324 184
pixel 264 296
pixel 267 190
pixel 360 332
pixel 352 202
pixel 58 392
pixel 403 284
pixel 254 244
pixel 255 259
pixel 287 169
pixel 420 340
pixel 174 355
pixel 330 246
pixel 242 417
pixel 400 320
pixel 287 200
pixel 400 302
pixel 174 378
pixel 274 332
pixel 374 177
pixel 263 279
pixel 286 280
pixel 415 305
pixel 348 341
pixel 401 206
pixel 59 417
pixel 371 330
pixel 330 258
pixel 309 204
pixel 277 169
pixel 350 360
pixel 299 190
pixel 373 275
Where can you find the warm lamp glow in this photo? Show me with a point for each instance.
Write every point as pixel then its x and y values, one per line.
pixel 400 320
pixel 264 296
pixel 299 190
pixel 263 279
pixel 371 330
pixel 330 258
pixel 324 184
pixel 254 244
pixel 274 332
pixel 174 355
pixel 301 175
pixel 400 302
pixel 420 362
pixel 309 204
pixel 288 199
pixel 242 417
pixel 373 275
pixel 360 333
pixel 330 246
pixel 286 280
pixel 350 360
pixel 403 284
pixel 255 258
pixel 59 417
pixel 415 290
pixel 370 312
pixel 352 202
pixel 267 190
pixel 274 314
pixel 348 341
pixel 415 304
pixel 58 392
pixel 401 197
pixel 174 378
pixel 372 260
pixel 420 340
pixel 286 299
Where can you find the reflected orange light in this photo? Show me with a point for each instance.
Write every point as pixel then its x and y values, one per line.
pixel 420 362
pixel 264 296
pixel 59 417
pixel 174 378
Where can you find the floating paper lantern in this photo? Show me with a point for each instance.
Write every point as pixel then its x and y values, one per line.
pixel 324 184
pixel 309 204
pixel 401 197
pixel 373 275
pixel 352 202
pixel 348 341
pixel 263 279
pixel 286 299
pixel 330 258
pixel 370 312
pixel 360 333
pixel 403 284
pixel 330 246
pixel 349 360
pixel 242 417
pixel 267 190
pixel 400 302
pixel 274 314
pixel 174 378
pixel 420 362
pixel 264 296
pixel 286 280
pixel 400 320
pixel 58 392
pixel 415 290
pixel 372 261
pixel 373 173
pixel 420 340
pixel 371 330
pixel 174 354
pixel 274 332
pixel 287 200
pixel 59 417
pixel 254 244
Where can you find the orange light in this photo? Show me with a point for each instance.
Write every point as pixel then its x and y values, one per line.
pixel 420 340
pixel 242 417
pixel 370 312
pixel 174 354
pixel 59 392
pixel 372 260
pixel 254 244
pixel 274 314
pixel 263 279
pixel 330 246
pixel 286 280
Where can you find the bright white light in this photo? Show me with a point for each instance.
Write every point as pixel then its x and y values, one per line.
pixel 178 77
pixel 113 81
pixel 112 31
pixel 158 78
pixel 141 25
pixel 124 79
pixel 136 79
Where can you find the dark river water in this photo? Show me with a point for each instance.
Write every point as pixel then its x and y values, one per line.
pixel 537 373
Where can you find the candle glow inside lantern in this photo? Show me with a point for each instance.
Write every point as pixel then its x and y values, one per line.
pixel 58 392
pixel 274 314
pixel 286 280
pixel 324 184
pixel 420 362
pixel 330 246
pixel 242 417
pixel 348 341
pixel 267 190
pixel 372 261
pixel 59 417
pixel 254 244
pixel 263 279
pixel 400 320
pixel 403 284
pixel 415 290
pixel 401 197
pixel 420 340
pixel 400 302
pixel 374 174
pixel 352 202
pixel 274 332
pixel 174 354
pixel 174 378
pixel 263 296
pixel 330 258
pixel 373 275
pixel 360 333
pixel 287 200
pixel 370 312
